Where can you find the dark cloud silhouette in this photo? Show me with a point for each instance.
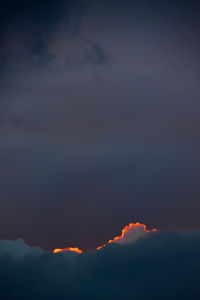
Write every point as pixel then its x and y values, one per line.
pixel 17 249
pixel 23 15
pixel 27 27
pixel 159 266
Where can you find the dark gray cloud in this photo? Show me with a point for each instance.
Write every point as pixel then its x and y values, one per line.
pixel 17 249
pixel 28 30
pixel 31 15
pixel 27 25
pixel 160 266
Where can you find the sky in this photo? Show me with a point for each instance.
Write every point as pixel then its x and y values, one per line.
pixel 99 120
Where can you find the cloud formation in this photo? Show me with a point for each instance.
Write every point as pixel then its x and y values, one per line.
pixel 158 266
pixel 17 249
pixel 130 234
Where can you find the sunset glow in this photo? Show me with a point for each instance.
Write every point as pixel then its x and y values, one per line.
pixel 72 249
pixel 130 233
pixel 136 229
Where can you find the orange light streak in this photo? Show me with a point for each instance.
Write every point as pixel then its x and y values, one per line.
pixel 72 249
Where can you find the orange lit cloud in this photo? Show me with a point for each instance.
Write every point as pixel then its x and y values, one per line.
pixel 72 249
pixel 130 234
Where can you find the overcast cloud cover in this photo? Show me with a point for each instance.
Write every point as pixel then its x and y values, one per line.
pixel 99 118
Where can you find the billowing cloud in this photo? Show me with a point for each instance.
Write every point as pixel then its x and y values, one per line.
pixel 130 234
pixel 158 266
pixel 17 249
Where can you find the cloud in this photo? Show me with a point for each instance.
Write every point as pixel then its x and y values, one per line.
pixel 158 266
pixel 130 234
pixel 32 13
pixel 27 28
pixel 17 249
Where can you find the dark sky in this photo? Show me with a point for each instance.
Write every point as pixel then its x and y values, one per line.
pixel 99 119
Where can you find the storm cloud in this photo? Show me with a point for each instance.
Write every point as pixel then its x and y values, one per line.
pixel 157 266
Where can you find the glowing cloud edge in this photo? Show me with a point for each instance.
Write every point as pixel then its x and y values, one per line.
pixel 121 239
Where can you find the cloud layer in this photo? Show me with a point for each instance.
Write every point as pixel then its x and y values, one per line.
pixel 158 266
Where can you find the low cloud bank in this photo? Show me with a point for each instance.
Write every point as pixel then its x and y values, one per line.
pixel 157 266
pixel 17 249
